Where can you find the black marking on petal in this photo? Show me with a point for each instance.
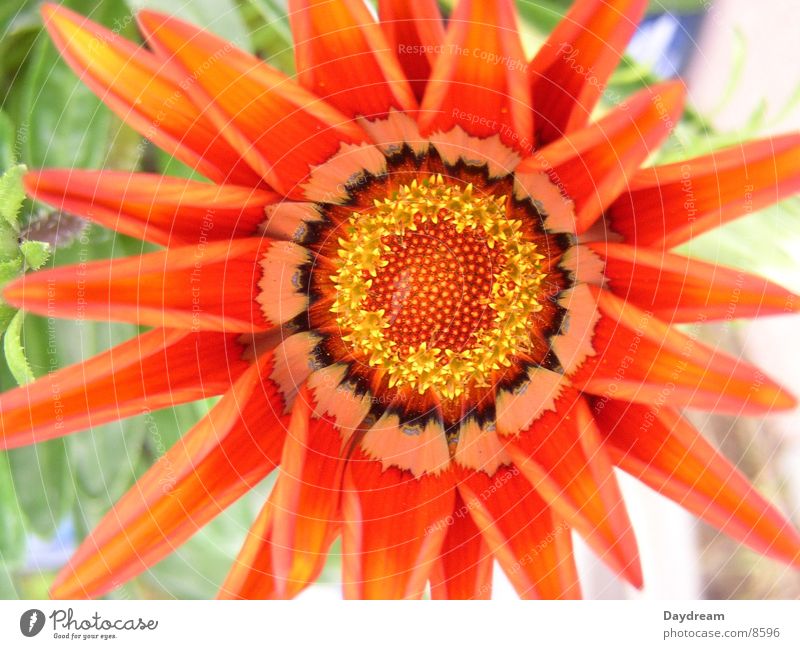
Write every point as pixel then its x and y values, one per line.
pixel 309 232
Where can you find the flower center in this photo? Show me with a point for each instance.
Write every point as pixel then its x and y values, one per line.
pixel 436 285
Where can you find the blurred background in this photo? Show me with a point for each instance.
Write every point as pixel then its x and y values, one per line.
pixel 741 63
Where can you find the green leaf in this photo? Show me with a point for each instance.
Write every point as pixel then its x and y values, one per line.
pixel 14 352
pixel 12 194
pixel 678 6
pixel 19 21
pixel 105 458
pixel 41 475
pixel 35 253
pixel 270 32
pixel 8 271
pixel 68 125
pixel 12 529
pixel 7 140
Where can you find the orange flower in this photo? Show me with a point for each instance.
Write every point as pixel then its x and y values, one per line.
pixel 429 288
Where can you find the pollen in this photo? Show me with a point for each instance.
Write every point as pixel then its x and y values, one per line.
pixel 436 286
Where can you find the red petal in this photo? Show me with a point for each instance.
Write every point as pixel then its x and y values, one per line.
pixel 226 454
pixel 665 452
pixel 593 166
pixel 670 204
pixel 393 530
pixel 570 71
pixel 151 99
pixel 158 369
pixel 678 288
pixel 299 522
pixel 464 568
pixel 531 544
pixel 279 128
pixel 159 209
pixel 479 80
pixel 252 575
pixel 213 286
pixel 343 56
pixel 562 458
pixel 639 358
pixel 416 33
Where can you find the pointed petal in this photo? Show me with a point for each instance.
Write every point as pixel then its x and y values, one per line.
pixel 570 71
pixel 227 453
pixel 464 568
pixel 639 358
pixel 393 528
pixel 216 286
pixel 479 81
pixel 680 289
pixel 279 128
pixel 415 32
pixel 252 575
pixel 562 458
pixel 158 369
pixel 287 547
pixel 306 498
pixel 150 98
pixel 364 76
pixel 670 204
pixel 663 450
pixel 593 166
pixel 531 544
pixel 158 209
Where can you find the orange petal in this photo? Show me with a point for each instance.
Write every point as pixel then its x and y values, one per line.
pixel 158 369
pixel 570 71
pixel 464 568
pixel 479 81
pixel 393 528
pixel 252 575
pixel 639 358
pixel 226 454
pixel 159 209
pixel 562 458
pixel 670 204
pixel 531 544
pixel 147 96
pixel 279 128
pixel 681 289
pixel 416 33
pixel 343 56
pixel 208 286
pixel 300 515
pixel 593 166
pixel 663 450
pixel 286 548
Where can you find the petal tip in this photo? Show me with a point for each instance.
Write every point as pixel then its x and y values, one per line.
pixel 50 10
pixel 14 292
pixel 150 21
pixel 31 181
pixel 65 585
pixel 785 400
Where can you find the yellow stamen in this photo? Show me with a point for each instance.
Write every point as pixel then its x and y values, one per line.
pixel 416 255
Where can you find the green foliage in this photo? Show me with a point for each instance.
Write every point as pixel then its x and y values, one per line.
pixel 14 353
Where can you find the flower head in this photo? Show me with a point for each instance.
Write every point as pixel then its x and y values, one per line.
pixel 432 291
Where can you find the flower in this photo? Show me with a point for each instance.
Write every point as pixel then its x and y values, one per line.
pixel 430 289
